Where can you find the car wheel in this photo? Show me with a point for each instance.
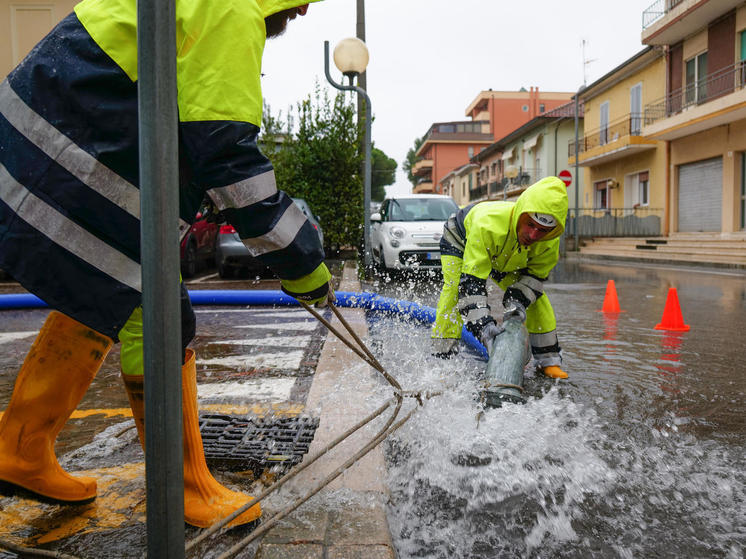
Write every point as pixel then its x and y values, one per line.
pixel 190 261
pixel 384 266
pixel 224 271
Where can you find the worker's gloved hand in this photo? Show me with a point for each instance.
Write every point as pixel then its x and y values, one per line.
pixel 514 308
pixel 489 333
pixel 314 288
pixel 330 297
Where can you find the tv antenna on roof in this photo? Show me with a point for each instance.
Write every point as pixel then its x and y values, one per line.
pixel 586 61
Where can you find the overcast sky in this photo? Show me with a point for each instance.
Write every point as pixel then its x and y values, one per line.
pixel 429 59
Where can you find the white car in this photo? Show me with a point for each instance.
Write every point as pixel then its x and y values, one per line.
pixel 406 233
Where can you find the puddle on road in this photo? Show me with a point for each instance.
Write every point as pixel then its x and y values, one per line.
pixel 639 454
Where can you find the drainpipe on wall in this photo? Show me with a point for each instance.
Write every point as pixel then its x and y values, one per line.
pixel 556 130
pixel 668 202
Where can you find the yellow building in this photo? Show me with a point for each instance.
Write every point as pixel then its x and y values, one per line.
pixel 625 171
pixel 702 113
pixel 23 24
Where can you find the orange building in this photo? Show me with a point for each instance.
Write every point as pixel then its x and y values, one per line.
pixel 494 114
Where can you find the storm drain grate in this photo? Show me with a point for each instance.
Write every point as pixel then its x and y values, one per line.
pixel 256 443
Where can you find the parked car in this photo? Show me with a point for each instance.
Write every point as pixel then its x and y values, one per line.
pixel 232 255
pixel 406 233
pixel 198 244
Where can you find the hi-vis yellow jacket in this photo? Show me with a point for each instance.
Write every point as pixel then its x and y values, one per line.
pixel 491 237
pixel 69 184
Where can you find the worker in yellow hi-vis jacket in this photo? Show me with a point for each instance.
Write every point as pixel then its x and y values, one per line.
pixel 517 245
pixel 69 197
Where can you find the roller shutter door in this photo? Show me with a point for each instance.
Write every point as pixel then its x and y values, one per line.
pixel 701 195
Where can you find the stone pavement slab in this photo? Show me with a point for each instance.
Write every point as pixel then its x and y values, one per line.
pixel 347 520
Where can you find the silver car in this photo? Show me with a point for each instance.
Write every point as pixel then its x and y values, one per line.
pixel 406 233
pixel 232 255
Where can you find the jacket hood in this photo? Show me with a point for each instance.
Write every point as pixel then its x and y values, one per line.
pixel 270 7
pixel 548 196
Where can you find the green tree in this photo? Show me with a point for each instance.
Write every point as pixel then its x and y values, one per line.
pixel 321 162
pixel 412 158
pixel 383 173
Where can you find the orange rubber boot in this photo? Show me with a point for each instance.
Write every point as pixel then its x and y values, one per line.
pixel 553 371
pixel 55 375
pixel 205 500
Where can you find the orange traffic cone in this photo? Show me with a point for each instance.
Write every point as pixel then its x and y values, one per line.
pixel 611 303
pixel 672 319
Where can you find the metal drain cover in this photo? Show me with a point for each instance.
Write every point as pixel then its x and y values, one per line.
pixel 256 443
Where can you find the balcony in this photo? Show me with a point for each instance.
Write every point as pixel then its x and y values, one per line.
pixel 423 165
pixel 423 188
pixel 716 100
pixel 462 131
pixel 619 139
pixel 667 22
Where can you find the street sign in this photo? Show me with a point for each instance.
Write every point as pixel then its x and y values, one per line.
pixel 565 177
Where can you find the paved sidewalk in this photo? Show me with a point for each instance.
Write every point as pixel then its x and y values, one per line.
pixel 346 520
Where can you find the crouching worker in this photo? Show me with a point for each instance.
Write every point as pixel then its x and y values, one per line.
pixel 70 209
pixel 517 245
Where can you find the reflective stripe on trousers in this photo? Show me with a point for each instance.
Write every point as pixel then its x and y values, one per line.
pixel 540 319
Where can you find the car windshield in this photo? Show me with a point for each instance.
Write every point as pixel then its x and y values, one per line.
pixel 423 209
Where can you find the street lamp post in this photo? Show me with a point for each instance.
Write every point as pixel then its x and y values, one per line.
pixel 351 58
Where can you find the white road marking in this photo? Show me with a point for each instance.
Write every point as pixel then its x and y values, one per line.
pixel 273 389
pixel 285 341
pixel 307 325
pixel 200 280
pixel 283 310
pixel 264 312
pixel 290 314
pixel 285 360
pixel 6 337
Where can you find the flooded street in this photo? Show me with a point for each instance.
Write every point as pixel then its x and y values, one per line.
pixel 640 453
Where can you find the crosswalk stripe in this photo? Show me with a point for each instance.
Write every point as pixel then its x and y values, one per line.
pixel 284 360
pixel 307 325
pixel 273 389
pixel 272 341
pixel 288 312
pixel 6 337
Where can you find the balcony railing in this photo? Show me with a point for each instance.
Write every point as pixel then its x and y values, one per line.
pixel 478 193
pixel 641 221
pixel 716 85
pixel 657 11
pixel 630 125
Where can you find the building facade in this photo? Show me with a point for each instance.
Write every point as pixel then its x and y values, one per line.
pixel 23 24
pixel 531 152
pixel 626 171
pixel 507 110
pixel 702 112
pixel 459 183
pixel 493 114
pixel 447 146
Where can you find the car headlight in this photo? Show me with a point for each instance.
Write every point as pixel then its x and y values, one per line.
pixel 397 233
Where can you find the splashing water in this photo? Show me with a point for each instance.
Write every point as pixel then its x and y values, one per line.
pixel 563 476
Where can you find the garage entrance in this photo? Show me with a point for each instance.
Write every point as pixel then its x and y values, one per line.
pixel 701 195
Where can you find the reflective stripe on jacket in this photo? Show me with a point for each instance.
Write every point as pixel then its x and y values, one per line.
pixel 69 186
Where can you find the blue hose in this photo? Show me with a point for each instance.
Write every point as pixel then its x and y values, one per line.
pixel 352 299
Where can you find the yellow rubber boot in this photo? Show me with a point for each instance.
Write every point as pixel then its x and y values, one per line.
pixel 55 375
pixel 553 371
pixel 205 500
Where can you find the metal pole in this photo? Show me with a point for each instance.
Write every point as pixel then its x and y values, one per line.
pixel 576 245
pixel 362 79
pixel 367 257
pixel 159 202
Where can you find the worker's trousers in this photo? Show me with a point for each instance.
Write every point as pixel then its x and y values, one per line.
pixel 540 320
pixel 131 336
